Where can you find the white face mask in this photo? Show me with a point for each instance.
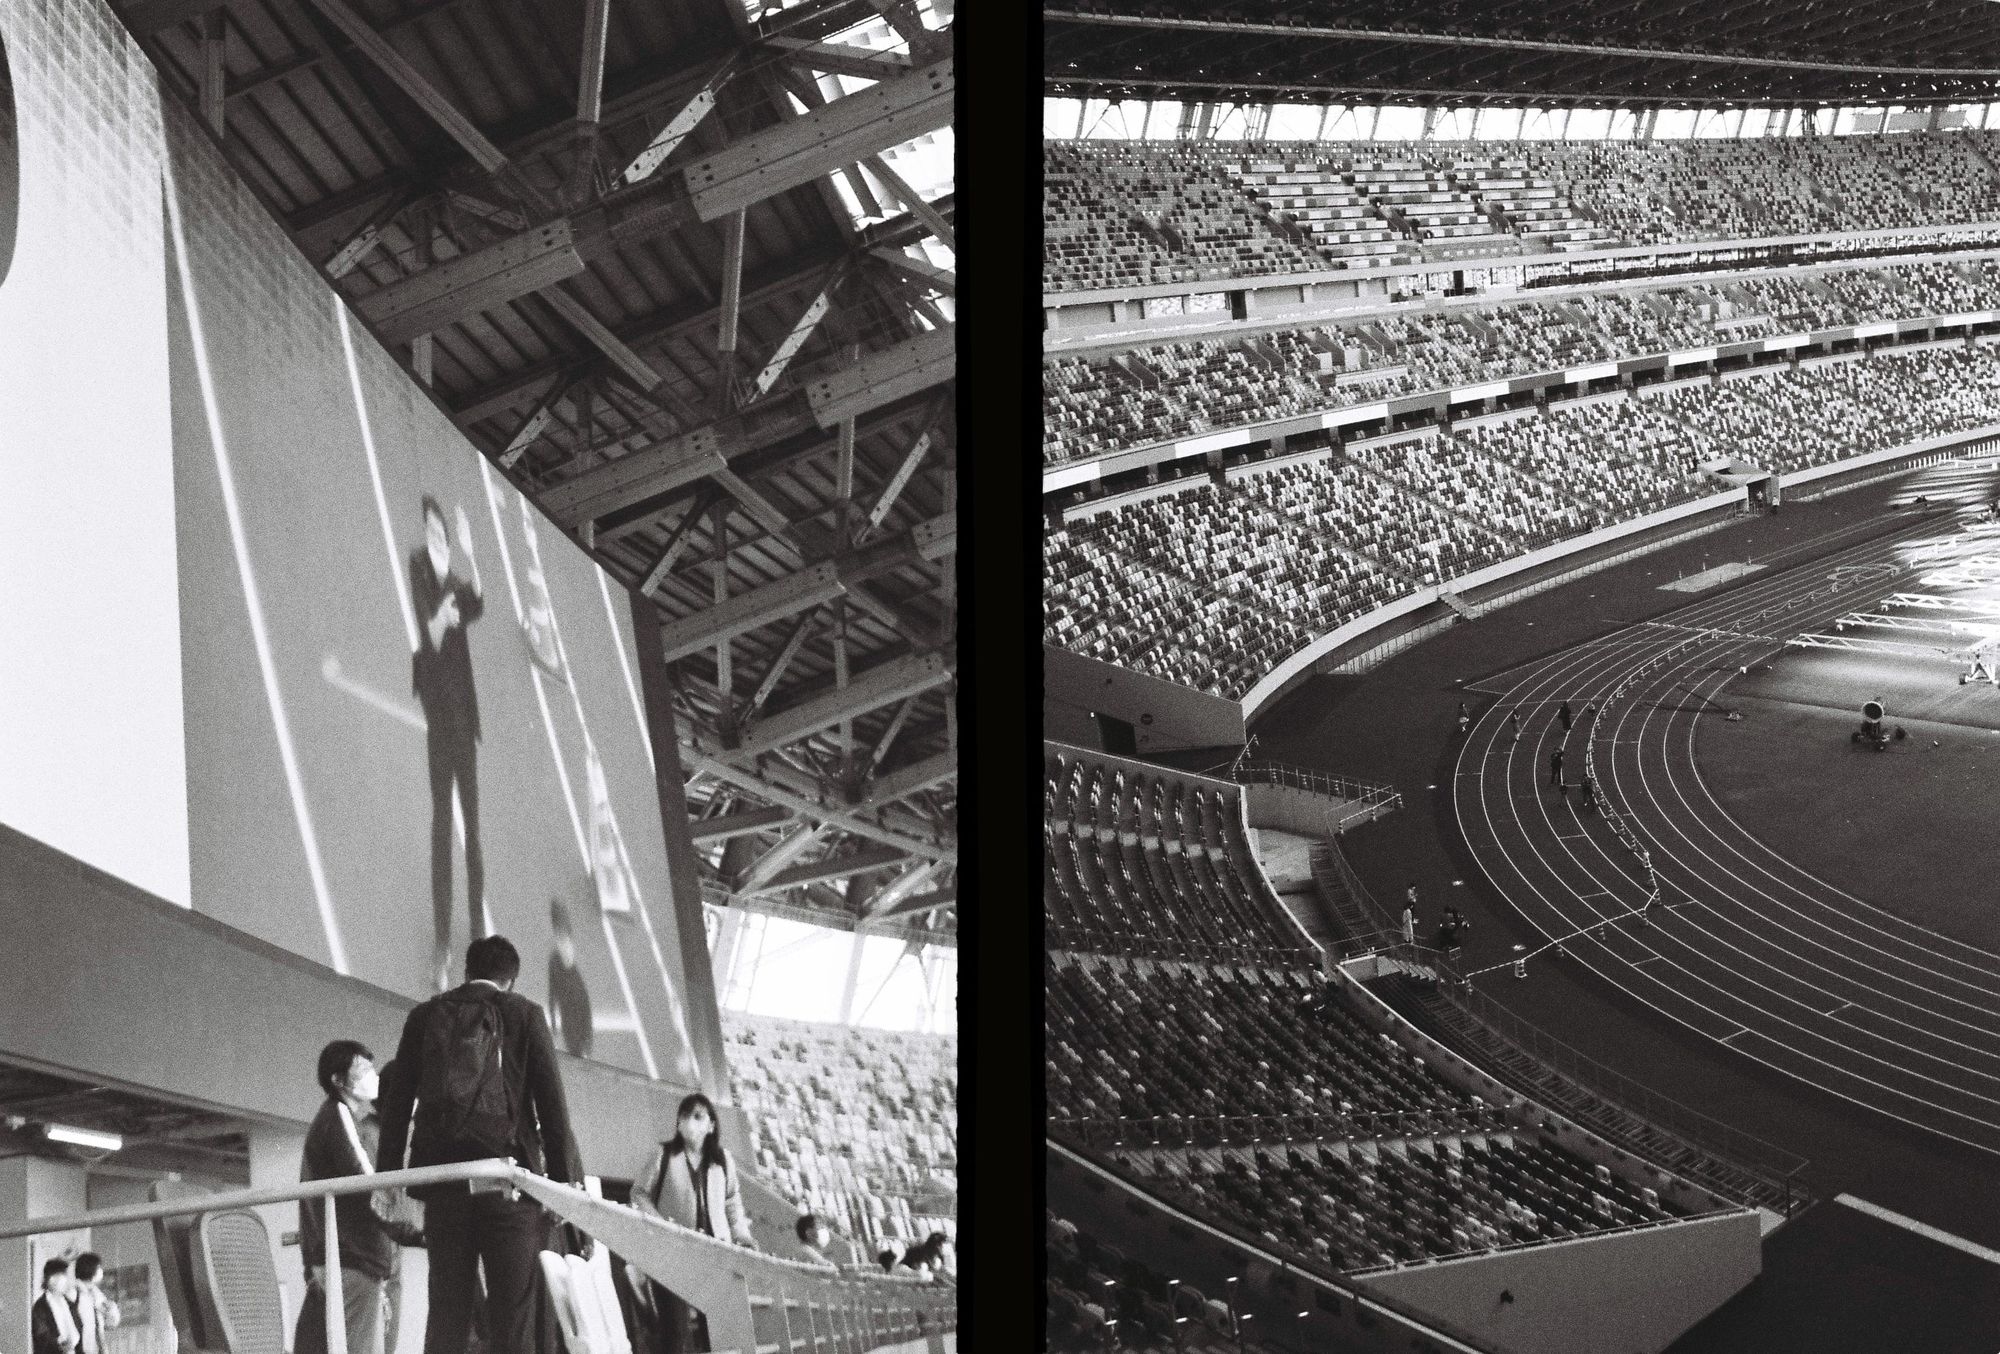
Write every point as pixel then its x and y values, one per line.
pixel 367 1087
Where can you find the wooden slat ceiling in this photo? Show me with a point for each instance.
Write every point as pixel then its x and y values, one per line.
pixel 394 137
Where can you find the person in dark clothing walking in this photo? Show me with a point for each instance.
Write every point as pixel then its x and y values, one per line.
pixel 1556 771
pixel 509 1103
pixel 1562 713
pixel 1589 793
pixel 441 677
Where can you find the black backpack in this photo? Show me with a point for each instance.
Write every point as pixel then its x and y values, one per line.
pixel 462 1100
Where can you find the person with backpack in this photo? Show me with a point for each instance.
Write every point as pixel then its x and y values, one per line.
pixel 478 1067
pixel 690 1180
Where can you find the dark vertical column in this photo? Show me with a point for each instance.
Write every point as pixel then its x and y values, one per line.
pixel 704 1016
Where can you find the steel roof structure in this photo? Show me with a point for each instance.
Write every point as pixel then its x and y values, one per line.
pixel 1597 53
pixel 609 237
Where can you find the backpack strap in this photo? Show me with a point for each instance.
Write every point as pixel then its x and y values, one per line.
pixel 660 1179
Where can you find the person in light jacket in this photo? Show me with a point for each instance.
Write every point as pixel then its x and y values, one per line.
pixel 690 1180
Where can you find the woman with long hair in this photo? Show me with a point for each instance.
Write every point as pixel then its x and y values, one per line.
pixel 690 1180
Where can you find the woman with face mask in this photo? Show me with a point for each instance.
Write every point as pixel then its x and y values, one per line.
pixel 690 1180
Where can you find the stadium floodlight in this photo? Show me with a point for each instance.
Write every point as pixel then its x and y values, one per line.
pixel 83 1137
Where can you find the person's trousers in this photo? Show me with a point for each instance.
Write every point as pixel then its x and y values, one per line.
pixel 362 1302
pixel 465 1232
pixel 454 763
pixel 683 1330
pixel 392 1306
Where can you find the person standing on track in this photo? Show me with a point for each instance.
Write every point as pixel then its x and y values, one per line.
pixel 1514 722
pixel 1589 793
pixel 1562 713
pixel 1556 771
pixel 1464 720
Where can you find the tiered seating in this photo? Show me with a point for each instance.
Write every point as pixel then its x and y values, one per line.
pixel 1104 604
pixel 1195 1054
pixel 1099 1299
pixel 1216 586
pixel 1117 214
pixel 1093 406
pixel 1124 213
pixel 1508 502
pixel 1669 191
pixel 1148 862
pixel 1532 205
pixel 1355 1208
pixel 1366 512
pixel 1614 460
pixel 856 1124
pixel 1313 196
pixel 1432 205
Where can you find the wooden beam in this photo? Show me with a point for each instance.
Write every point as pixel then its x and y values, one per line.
pixel 447 292
pixel 621 355
pixel 730 825
pixel 148 17
pixel 796 152
pixel 921 271
pixel 779 664
pixel 214 42
pixel 838 58
pixel 731 306
pixel 912 200
pixel 590 82
pixel 412 82
pixel 677 541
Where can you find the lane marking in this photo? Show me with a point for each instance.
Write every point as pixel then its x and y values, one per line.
pixel 1922 1229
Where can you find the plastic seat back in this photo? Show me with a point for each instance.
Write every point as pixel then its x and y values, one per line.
pixel 236 1282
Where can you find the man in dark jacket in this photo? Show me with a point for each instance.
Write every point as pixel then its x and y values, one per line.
pixel 52 1321
pixel 441 676
pixel 341 1143
pixel 483 1019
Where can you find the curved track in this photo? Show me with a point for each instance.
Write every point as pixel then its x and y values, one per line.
pixel 1751 950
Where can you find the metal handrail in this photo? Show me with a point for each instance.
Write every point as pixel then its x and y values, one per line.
pixel 1731 1149
pixel 1319 782
pixel 1204 1130
pixel 712 1275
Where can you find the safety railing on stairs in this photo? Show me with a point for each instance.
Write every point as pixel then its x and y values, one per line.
pixel 753 1302
pixel 1617 1107
pixel 1372 800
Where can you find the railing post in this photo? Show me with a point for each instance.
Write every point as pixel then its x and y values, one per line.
pixel 729 1323
pixel 332 1289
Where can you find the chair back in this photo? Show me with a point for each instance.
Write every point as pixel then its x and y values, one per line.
pixel 173 1238
pixel 236 1282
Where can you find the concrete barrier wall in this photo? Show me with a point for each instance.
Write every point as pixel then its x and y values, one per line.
pixel 1164 715
pixel 1634 1292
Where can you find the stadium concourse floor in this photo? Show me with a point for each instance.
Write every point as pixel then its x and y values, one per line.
pixel 1915 828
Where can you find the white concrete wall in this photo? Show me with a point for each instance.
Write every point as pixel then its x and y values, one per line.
pixel 1646 1287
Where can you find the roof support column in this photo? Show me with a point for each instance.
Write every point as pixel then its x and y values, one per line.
pixel 698 1001
pixel 853 979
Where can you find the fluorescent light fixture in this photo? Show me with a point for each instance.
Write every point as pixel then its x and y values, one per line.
pixel 83 1137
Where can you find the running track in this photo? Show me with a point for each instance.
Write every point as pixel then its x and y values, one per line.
pixel 1753 952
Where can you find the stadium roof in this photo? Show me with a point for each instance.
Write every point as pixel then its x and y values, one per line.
pixel 685 272
pixel 1621 53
